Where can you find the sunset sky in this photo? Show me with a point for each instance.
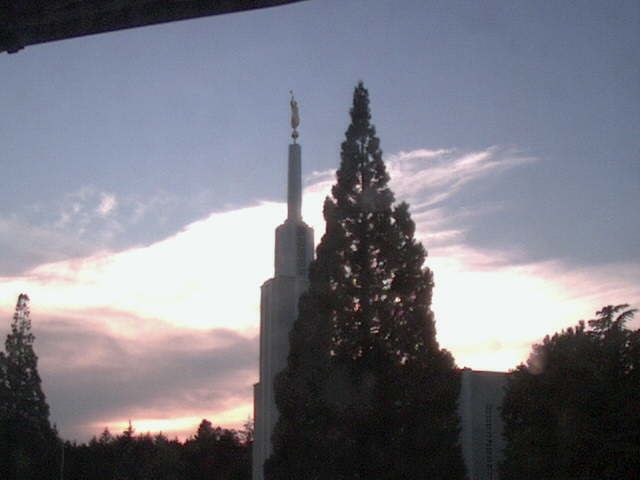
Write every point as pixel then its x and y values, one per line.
pixel 143 175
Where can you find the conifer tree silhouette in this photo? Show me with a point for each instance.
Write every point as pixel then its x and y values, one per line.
pixel 367 391
pixel 28 444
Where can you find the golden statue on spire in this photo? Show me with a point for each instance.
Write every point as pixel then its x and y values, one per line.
pixel 295 117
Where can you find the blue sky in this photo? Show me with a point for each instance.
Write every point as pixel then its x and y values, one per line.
pixel 511 127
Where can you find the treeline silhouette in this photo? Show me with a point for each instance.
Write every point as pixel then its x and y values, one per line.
pixel 570 412
pixel 211 454
pixel 30 448
pixel 573 410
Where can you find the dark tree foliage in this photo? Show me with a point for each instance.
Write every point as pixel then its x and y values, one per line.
pixel 29 447
pixel 125 457
pixel 573 412
pixel 216 453
pixel 367 392
pixel 212 454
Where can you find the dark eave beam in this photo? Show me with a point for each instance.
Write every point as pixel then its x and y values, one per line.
pixel 29 22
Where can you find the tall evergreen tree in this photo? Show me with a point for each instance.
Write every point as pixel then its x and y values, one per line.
pixel 367 392
pixel 29 444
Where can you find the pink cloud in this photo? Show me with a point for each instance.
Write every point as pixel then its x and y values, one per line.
pixel 168 331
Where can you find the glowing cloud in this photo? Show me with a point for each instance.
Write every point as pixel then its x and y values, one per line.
pixel 178 296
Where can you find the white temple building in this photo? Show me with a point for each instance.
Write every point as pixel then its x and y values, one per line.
pixel 481 439
pixel 279 305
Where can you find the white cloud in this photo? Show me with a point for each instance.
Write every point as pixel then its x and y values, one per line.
pixel 489 312
pixel 420 153
pixel 208 275
pixel 428 177
pixel 87 212
pixel 26 244
pixel 107 205
pixel 84 222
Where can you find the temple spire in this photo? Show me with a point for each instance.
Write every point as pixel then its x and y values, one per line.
pixel 294 185
pixel 279 302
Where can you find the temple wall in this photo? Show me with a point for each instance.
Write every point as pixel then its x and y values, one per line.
pixel 481 436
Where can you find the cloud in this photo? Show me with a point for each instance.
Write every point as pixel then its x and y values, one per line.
pixel 95 378
pixel 206 275
pixel 24 245
pixel 85 222
pixel 489 312
pixel 108 203
pixel 78 225
pixel 420 154
pixel 167 333
pixel 88 214
pixel 429 177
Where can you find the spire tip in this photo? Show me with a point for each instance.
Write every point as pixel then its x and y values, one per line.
pixel 295 117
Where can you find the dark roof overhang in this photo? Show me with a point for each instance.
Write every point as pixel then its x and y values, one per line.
pixel 29 22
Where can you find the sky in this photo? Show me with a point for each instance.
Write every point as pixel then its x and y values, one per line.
pixel 144 173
